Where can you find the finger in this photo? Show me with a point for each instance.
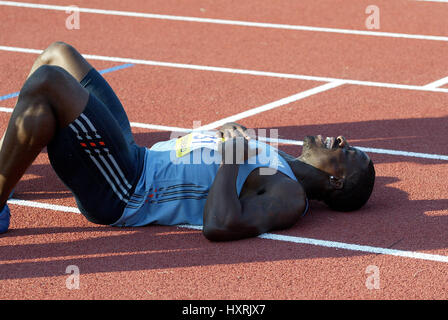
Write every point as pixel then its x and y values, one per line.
pixel 244 133
pixel 218 134
pixel 254 151
pixel 237 134
pixel 237 125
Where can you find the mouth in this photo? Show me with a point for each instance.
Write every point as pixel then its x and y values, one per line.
pixel 328 142
pixel 314 143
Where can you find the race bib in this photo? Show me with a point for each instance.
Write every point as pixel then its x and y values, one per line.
pixel 196 140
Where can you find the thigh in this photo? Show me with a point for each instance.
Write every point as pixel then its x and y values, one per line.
pixel 97 85
pixel 93 159
pixel 58 88
pixel 66 57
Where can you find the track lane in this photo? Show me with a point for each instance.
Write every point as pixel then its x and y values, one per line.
pixel 153 262
pixel 345 56
pixel 402 16
pixel 370 117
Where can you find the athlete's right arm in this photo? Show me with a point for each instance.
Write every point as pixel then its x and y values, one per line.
pixel 231 130
pixel 276 205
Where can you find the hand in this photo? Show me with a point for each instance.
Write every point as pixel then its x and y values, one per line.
pixel 4 219
pixel 233 130
pixel 236 150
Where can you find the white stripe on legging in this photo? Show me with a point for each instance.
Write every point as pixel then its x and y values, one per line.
pixel 112 159
pixel 79 123
pixel 110 156
pixel 100 167
pixel 106 176
pixel 90 125
pixel 125 192
pixel 76 131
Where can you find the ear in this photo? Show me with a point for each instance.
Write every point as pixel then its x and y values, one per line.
pixel 336 183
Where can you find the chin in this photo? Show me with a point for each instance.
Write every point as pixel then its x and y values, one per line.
pixel 308 142
pixel 306 146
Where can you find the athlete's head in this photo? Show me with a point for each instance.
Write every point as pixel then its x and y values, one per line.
pixel 348 172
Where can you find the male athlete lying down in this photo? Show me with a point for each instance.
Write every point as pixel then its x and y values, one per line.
pixel 66 105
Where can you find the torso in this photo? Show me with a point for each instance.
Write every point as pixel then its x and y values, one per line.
pixel 182 188
pixel 256 182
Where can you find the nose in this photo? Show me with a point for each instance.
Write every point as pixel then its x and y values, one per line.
pixel 342 142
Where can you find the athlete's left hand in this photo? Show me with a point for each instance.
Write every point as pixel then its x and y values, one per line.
pixel 233 130
pixel 237 150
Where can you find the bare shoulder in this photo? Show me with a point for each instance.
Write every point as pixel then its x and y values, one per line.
pixel 268 201
pixel 281 199
pixel 264 180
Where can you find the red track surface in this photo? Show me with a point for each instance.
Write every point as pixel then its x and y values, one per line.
pixel 408 209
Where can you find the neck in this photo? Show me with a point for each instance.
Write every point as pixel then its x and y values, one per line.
pixel 311 179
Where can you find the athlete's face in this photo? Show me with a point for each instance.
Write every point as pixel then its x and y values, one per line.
pixel 333 155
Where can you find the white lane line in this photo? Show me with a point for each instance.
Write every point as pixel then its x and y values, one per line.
pixel 226 22
pixel 405 153
pixel 159 127
pixel 272 105
pixel 356 247
pixel 345 246
pixel 21 50
pixel 240 71
pixel 42 205
pixel 437 84
pixel 300 143
pixel 287 141
pixel 281 141
pixel 443 1
pixel 8 110
pixel 271 236
pixel 370 150
pixel 400 153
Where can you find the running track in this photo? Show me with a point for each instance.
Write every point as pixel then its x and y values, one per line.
pixel 308 67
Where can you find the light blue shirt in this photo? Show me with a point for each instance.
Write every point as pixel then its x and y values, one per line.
pixel 173 188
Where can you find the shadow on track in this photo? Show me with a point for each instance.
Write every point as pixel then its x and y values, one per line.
pixel 390 219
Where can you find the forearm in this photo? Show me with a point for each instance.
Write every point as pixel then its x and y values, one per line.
pixel 223 206
pixel 286 156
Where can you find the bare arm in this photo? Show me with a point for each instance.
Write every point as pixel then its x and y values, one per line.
pixel 233 130
pixel 277 205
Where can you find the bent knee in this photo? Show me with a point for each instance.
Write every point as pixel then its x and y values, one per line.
pixel 43 79
pixel 55 51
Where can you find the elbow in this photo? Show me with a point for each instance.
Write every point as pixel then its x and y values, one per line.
pixel 222 225
pixel 210 234
pixel 214 234
pixel 217 225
